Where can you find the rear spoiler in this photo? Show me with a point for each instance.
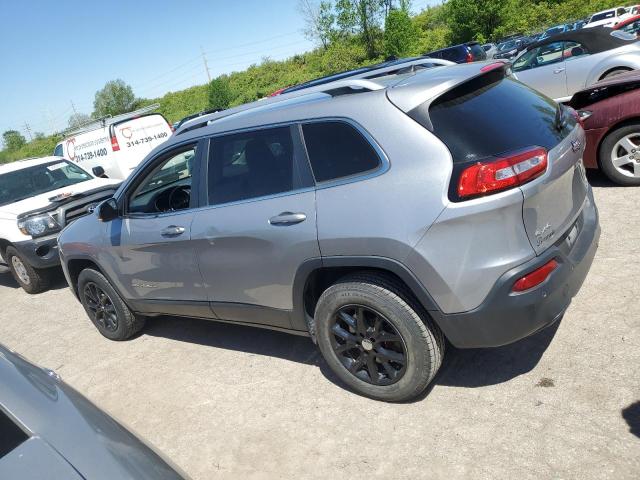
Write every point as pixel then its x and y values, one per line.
pixel 415 96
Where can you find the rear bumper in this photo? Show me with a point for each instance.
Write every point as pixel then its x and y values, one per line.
pixel 505 317
pixel 40 252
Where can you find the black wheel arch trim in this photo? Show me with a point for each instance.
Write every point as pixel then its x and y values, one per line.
pixel 300 319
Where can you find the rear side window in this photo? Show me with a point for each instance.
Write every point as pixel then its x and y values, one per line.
pixel 478 52
pixel 250 165
pixel 11 436
pixel 491 115
pixel 338 150
pixel 58 151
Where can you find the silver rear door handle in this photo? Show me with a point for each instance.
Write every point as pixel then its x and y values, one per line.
pixel 172 231
pixel 558 70
pixel 287 218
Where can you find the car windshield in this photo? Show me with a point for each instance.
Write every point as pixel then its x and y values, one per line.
pixel 507 45
pixel 554 30
pixel 31 181
pixel 603 16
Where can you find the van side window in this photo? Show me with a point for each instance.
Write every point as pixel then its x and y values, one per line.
pixel 250 165
pixel 337 150
pixel 58 151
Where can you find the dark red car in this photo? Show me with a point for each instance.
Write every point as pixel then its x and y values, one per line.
pixel 610 110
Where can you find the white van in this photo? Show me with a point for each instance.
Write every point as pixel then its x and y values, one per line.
pixel 608 18
pixel 114 146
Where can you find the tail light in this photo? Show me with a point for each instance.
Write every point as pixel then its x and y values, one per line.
pixel 483 178
pixel 469 58
pixel 535 278
pixel 171 127
pixel 114 143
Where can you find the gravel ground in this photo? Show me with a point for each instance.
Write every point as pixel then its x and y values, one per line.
pixel 233 402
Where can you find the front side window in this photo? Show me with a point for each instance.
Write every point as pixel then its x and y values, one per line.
pixel 573 50
pixel 338 150
pixel 168 187
pixel 249 165
pixel 29 182
pixel 539 57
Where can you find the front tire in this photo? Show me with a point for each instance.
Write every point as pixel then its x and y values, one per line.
pixel 105 308
pixel 619 155
pixel 31 280
pixel 377 338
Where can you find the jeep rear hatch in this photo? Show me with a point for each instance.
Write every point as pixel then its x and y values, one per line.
pixel 504 135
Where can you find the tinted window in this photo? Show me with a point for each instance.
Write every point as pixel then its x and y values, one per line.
pixel 168 186
pixel 10 435
pixel 58 151
pixel 539 57
pixel 493 115
pixel 337 150
pixel 478 52
pixel 573 50
pixel 250 165
pixel 603 16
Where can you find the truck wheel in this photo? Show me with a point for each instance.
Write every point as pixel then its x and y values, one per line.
pixel 377 338
pixel 105 307
pixel 619 155
pixel 30 279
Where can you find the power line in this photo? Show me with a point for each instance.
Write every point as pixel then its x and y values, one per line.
pixel 206 67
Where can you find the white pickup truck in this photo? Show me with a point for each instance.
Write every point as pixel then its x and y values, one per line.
pixel 39 197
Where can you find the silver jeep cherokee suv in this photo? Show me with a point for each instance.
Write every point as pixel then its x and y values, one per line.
pixel 378 217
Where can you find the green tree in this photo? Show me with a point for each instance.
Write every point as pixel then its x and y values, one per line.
pixel 13 140
pixel 319 21
pixel 78 119
pixel 114 98
pixel 220 95
pixel 401 35
pixel 474 19
pixel 362 18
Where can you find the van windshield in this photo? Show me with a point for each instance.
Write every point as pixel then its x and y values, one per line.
pixel 603 16
pixel 31 181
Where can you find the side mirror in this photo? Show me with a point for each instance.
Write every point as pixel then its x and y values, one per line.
pixel 99 172
pixel 108 210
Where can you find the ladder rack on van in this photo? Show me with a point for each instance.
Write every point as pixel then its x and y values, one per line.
pixel 108 120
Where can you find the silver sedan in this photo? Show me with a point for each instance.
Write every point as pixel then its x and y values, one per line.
pixel 561 65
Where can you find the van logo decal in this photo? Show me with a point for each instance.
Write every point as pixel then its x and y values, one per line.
pixel 126 132
pixel 71 149
pixel 543 234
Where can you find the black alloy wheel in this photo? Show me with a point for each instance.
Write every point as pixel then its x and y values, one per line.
pixel 368 345
pixel 101 307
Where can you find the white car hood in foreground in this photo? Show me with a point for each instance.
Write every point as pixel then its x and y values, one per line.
pixel 40 201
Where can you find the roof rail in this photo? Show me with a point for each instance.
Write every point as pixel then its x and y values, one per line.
pixel 108 120
pixel 339 87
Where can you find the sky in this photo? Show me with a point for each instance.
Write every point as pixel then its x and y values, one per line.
pixel 54 55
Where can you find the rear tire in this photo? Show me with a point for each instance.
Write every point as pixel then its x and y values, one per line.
pixel 617 158
pixel 31 280
pixel 395 362
pixel 105 308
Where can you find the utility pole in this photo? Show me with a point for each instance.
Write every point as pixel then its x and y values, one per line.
pixel 28 129
pixel 206 65
pixel 73 107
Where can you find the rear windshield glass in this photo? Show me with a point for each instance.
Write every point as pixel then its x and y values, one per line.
pixel 491 115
